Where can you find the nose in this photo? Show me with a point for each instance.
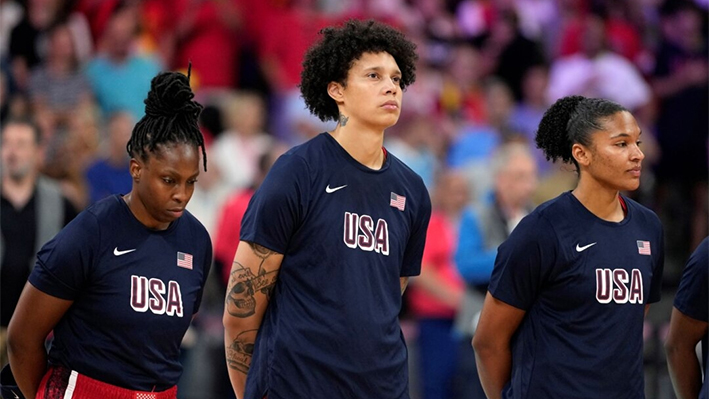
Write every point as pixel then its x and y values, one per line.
pixel 181 194
pixel 390 86
pixel 638 154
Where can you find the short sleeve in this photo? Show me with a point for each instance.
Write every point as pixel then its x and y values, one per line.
pixel 277 208
pixel 413 253
pixel 523 261
pixel 691 298
pixel 656 282
pixel 64 263
pixel 206 267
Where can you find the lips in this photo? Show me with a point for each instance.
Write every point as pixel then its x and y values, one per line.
pixel 635 172
pixel 177 212
pixel 390 105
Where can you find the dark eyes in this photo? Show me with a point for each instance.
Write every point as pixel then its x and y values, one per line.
pixel 169 180
pixel 395 79
pixel 625 144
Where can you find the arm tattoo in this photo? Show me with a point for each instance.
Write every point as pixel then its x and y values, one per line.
pixel 262 252
pixel 240 351
pixel 343 120
pixel 243 284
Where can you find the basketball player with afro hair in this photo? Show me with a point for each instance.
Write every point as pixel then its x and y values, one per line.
pixel 331 237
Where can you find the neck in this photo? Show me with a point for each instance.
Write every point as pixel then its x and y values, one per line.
pixel 138 210
pixel 601 201
pixel 18 191
pixel 363 144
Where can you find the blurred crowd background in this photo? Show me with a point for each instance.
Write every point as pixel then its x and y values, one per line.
pixel 488 69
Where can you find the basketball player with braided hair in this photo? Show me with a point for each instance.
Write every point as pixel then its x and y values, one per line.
pixel 120 284
pixel 332 235
pixel 563 317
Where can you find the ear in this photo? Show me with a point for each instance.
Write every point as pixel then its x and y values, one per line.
pixel 136 169
pixel 336 91
pixel 581 154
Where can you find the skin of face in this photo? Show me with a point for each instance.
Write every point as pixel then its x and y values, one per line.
pixel 20 151
pixel 373 93
pixel 614 159
pixel 517 181
pixel 164 184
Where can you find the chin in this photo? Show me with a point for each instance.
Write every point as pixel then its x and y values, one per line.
pixel 631 187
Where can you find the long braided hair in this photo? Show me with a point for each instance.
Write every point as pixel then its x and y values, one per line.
pixel 171 116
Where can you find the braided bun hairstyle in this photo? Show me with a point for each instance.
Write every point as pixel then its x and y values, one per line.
pixel 171 116
pixel 571 120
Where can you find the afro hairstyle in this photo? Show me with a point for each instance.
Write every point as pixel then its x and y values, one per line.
pixel 331 59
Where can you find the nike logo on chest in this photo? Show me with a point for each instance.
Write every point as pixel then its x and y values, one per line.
pixel 333 189
pixel 116 252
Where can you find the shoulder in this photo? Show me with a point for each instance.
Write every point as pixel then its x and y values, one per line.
pixel 404 172
pixel 643 213
pixel 698 261
pixel 189 221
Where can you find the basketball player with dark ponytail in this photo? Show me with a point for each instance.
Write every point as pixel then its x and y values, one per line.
pixel 120 284
pixel 563 317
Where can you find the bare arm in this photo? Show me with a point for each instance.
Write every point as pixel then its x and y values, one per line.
pixel 252 279
pixel 685 333
pixel 403 282
pixel 498 322
pixel 35 316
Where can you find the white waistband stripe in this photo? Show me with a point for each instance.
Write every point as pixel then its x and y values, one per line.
pixel 69 393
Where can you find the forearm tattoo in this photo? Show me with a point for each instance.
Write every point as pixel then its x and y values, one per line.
pixel 262 252
pixel 343 120
pixel 240 351
pixel 243 284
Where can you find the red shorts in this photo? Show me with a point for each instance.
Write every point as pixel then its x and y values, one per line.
pixel 62 383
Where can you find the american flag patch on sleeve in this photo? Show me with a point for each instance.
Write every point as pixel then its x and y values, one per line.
pixel 184 260
pixel 644 247
pixel 397 201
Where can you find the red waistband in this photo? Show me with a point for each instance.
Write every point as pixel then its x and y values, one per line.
pixel 62 383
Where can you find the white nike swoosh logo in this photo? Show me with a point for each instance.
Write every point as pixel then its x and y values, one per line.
pixel 119 253
pixel 585 247
pixel 332 190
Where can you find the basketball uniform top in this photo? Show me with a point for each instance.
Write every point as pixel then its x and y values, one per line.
pixel 134 289
pixel 348 233
pixel 692 298
pixel 584 283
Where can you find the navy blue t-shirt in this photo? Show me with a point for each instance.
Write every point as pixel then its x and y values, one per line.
pixel 135 291
pixel 348 233
pixel 692 299
pixel 584 283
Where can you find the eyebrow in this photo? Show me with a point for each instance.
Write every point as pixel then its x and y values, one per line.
pixel 380 68
pixel 624 135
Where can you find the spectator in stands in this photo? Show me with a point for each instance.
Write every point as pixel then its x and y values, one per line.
pixel 57 86
pixel 596 71
pixel 482 229
pixel 109 174
pixel 436 294
pixel 33 209
pixel 119 77
pixel 680 81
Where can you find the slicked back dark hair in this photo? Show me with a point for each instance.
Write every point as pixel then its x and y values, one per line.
pixel 331 59
pixel 571 120
pixel 171 116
